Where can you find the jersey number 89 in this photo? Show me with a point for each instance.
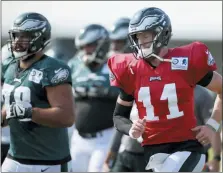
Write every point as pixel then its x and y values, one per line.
pixel 21 94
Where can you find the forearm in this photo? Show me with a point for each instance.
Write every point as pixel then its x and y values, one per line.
pixel 4 122
pixel 116 141
pixel 216 144
pixel 216 86
pixel 217 110
pixel 216 118
pixel 121 116
pixel 122 124
pixel 52 117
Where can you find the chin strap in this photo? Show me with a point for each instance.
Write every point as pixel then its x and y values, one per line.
pixel 31 54
pixel 162 59
pixel 156 56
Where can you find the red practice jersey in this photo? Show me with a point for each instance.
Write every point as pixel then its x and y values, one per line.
pixel 165 94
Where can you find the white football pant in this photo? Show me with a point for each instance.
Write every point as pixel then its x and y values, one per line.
pixel 10 165
pixel 89 154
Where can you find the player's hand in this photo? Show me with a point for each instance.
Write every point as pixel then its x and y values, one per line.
pixel 3 117
pixel 20 110
pixel 105 168
pixel 214 166
pixel 137 128
pixel 109 161
pixel 204 134
pixel 3 114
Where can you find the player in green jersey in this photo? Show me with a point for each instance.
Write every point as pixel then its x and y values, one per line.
pixel 95 100
pixel 38 100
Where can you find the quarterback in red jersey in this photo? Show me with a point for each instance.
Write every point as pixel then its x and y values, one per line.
pixel 161 81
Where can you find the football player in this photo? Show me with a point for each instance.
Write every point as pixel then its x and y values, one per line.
pixel 5 135
pixel 126 154
pixel 204 102
pixel 161 80
pixel 38 100
pixel 130 156
pixel 119 37
pixel 95 100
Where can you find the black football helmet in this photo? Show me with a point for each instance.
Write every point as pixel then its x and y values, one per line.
pixel 33 26
pixel 150 19
pixel 119 32
pixel 94 34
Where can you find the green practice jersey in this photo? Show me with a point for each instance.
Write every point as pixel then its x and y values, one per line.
pixel 92 84
pixel 29 140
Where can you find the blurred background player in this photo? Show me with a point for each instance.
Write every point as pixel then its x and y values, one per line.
pixel 95 100
pixel 38 118
pixel 62 49
pixel 5 136
pixel 204 102
pixel 119 37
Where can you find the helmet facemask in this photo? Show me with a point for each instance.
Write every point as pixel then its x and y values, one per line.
pixel 34 42
pixel 119 46
pixel 158 23
pixel 30 34
pixel 101 50
pixel 119 36
pixel 97 37
pixel 98 55
pixel 160 39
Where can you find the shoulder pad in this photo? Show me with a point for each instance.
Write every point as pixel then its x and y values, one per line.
pixel 202 61
pixel 121 73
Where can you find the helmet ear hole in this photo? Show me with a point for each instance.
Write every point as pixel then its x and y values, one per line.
pixel 154 20
pixel 166 36
pixel 158 45
pixel 43 40
pixel 97 36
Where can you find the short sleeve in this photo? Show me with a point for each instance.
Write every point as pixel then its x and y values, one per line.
pixel 202 61
pixel 119 74
pixel 71 64
pixel 4 65
pixel 56 75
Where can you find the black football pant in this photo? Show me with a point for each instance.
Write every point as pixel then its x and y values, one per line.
pixel 129 162
pixel 4 151
pixel 190 152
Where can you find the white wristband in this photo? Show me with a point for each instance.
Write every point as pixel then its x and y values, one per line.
pixel 130 134
pixel 214 124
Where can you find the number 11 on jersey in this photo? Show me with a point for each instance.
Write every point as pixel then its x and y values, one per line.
pixel 169 93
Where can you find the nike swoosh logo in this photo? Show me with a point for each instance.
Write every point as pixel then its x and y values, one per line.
pixel 43 170
pixel 17 80
pixel 56 71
